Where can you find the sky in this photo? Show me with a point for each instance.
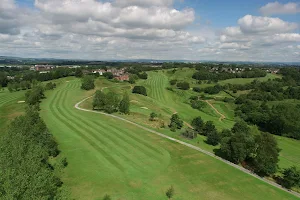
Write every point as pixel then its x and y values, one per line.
pixel 231 30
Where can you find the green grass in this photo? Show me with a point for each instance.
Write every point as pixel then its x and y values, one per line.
pixel 108 156
pixel 9 107
pixel 289 154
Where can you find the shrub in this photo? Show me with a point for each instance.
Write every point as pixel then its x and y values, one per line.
pixel 88 83
pixel 196 89
pixel 183 85
pixel 139 90
pixel 173 82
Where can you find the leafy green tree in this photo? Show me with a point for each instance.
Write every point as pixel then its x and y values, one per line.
pixel 267 153
pixel 176 122
pixel 183 85
pixel 208 127
pixel 170 192
pixel 131 80
pixel 99 100
pixel 173 82
pixel 3 79
pixel 153 115
pixel 213 138
pixel 111 103
pixel 24 153
pixel 240 145
pixel 291 177
pixel 198 124
pixel 78 72
pixel 143 75
pixel 197 104
pixel 88 83
pixel 139 90
pixel 125 104
pixel 50 86
pixel 108 75
pixel 34 96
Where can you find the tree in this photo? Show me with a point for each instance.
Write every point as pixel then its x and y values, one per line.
pixel 124 104
pixel 78 73
pixel 139 90
pixel 107 102
pixel 50 86
pixel 176 122
pixel 173 82
pixel 170 192
pixel 10 87
pixel 198 124
pixel 267 154
pixel 3 79
pixel 197 104
pixel 213 138
pixel 143 75
pixel 106 197
pixel 99 100
pixel 87 83
pixel 111 102
pixel 34 96
pixel 291 177
pixel 240 144
pixel 108 75
pixel 208 127
pixel 153 115
pixel 24 153
pixel 183 85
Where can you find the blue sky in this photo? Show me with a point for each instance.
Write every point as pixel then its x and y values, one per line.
pixel 253 30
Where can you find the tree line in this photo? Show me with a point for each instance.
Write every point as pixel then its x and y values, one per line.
pixel 25 149
pixel 110 102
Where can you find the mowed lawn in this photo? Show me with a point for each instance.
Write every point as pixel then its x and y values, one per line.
pixel 10 107
pixel 108 156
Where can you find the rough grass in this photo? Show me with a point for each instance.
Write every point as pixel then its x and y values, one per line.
pixel 107 156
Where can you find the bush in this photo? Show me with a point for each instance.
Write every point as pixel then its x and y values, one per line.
pixel 139 90
pixel 183 85
pixel 108 75
pixel 196 89
pixel 176 123
pixel 173 82
pixel 88 83
pixel 143 75
pixel 197 104
pixel 153 115
pixel 50 86
pixel 189 133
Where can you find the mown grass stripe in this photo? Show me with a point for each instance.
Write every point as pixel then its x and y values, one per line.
pixel 64 119
pixel 91 130
pixel 135 144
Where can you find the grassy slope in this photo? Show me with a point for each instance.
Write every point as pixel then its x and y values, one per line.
pixel 185 74
pixel 9 107
pixel 163 102
pixel 109 156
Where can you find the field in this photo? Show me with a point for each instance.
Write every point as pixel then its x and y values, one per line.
pixel 185 74
pixel 109 156
pixel 11 106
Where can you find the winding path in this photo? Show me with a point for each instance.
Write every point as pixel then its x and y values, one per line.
pixel 212 106
pixel 190 146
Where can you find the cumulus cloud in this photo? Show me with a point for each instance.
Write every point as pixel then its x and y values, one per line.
pixel 144 3
pixel 275 8
pixel 257 24
pixel 128 29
